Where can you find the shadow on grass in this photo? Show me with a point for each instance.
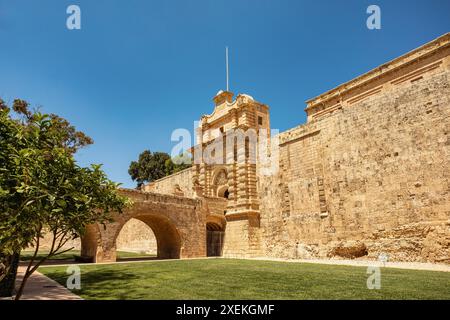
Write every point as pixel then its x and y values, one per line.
pixel 73 257
pixel 243 279
pixel 63 257
pixel 98 283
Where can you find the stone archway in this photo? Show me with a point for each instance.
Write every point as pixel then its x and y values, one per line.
pixel 220 183
pixel 178 224
pixel 167 237
pixel 215 235
pixel 138 238
pixel 222 192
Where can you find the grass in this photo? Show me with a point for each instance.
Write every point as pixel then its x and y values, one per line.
pixel 70 255
pixel 249 279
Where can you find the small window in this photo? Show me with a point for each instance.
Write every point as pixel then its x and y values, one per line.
pixel 260 120
pixel 221 130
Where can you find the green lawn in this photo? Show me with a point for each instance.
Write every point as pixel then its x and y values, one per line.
pixel 249 279
pixel 70 255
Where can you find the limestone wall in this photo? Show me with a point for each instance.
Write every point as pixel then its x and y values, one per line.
pixel 45 243
pixel 136 236
pixel 236 241
pixel 179 183
pixel 370 176
pixel 216 205
pixel 369 173
pixel 178 224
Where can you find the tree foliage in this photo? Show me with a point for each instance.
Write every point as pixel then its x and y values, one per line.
pixel 178 163
pixel 42 188
pixel 153 166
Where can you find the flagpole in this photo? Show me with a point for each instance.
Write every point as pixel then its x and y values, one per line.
pixel 226 58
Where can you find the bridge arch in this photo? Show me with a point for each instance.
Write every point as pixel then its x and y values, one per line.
pixel 180 225
pixel 168 239
pixel 215 232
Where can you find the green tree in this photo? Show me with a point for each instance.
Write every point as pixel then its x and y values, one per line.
pixel 149 167
pixel 178 163
pixel 153 166
pixel 42 189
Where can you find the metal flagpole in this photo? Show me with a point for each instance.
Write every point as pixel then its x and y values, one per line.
pixel 226 58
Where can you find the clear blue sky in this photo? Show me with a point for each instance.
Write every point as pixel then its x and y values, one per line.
pixel 139 69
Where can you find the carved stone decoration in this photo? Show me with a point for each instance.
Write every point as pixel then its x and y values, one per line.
pixel 198 190
pixel 177 190
pixel 221 178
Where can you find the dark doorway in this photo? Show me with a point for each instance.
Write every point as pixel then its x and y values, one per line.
pixel 214 240
pixel 222 192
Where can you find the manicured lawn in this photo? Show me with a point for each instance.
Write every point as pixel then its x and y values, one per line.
pixel 128 255
pixel 70 255
pixel 249 279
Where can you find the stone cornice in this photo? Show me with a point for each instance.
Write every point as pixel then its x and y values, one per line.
pixel 224 109
pixel 414 55
pixel 244 215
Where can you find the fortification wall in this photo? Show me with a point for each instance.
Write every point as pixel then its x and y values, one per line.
pixel 369 175
pixel 179 183
pixel 236 242
pixel 45 243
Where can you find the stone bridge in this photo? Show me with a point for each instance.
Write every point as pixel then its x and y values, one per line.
pixel 180 225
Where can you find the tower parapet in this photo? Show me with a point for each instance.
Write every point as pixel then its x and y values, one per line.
pixel 226 144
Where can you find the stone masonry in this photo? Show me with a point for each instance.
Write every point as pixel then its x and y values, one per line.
pixel 368 174
pixel 370 171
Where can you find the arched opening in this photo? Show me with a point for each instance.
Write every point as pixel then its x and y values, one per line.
pixel 215 232
pixel 136 240
pixel 222 192
pixel 220 183
pixel 168 241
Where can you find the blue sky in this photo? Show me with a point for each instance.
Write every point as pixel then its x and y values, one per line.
pixel 137 70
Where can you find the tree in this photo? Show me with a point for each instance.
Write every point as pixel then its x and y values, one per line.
pixel 178 163
pixel 149 167
pixel 42 189
pixel 153 166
